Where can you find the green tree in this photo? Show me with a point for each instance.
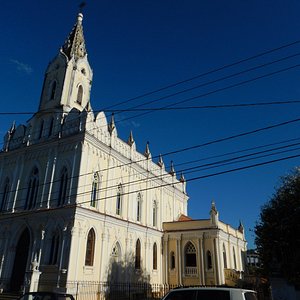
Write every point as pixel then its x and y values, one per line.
pixel 278 230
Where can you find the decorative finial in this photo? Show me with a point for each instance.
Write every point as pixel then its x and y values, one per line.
pixel 172 169
pixel 147 151
pixel 111 125
pixel 130 141
pixel 182 179
pixel 241 227
pixel 160 161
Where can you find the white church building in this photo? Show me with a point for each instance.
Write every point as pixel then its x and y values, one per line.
pixel 76 199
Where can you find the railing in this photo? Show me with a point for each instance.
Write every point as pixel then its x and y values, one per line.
pixel 191 272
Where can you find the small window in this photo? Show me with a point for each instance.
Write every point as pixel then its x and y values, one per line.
pixel 63 187
pixel 54 249
pixel 234 258
pixel 41 129
pixel 79 95
pixel 5 193
pixel 51 127
pixel 154 256
pixel 116 252
pixel 172 260
pixel 119 200
pixel 138 207
pixel 154 214
pixel 138 255
pixel 83 71
pixel 90 248
pixel 224 257
pixel 95 187
pixel 32 189
pixel 53 90
pixel 209 260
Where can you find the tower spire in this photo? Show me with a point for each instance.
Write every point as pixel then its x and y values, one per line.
pixel 74 45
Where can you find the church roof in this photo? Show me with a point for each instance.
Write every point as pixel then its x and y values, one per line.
pixel 74 45
pixel 184 218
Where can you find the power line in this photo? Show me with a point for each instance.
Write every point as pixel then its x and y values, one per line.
pixel 206 73
pixel 196 146
pixel 5 217
pixel 229 105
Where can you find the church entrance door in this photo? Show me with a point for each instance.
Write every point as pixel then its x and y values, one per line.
pixel 19 268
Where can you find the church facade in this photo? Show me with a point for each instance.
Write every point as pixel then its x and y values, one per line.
pixel 76 200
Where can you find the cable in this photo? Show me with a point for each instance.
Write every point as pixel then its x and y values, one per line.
pixel 196 146
pixel 218 90
pixel 271 103
pixel 192 169
pixel 207 73
pixel 24 213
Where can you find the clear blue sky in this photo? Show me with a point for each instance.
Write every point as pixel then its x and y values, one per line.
pixel 136 46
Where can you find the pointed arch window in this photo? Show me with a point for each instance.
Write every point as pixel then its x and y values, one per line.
pixel 190 255
pixel 138 255
pixel 116 252
pixel 234 258
pixel 63 184
pixel 41 129
pixel 95 187
pixel 154 214
pixel 154 256
pixel 5 194
pixel 53 90
pixel 119 200
pixel 79 95
pixel 209 260
pixel 51 127
pixel 224 257
pixel 172 260
pixel 53 255
pixel 138 207
pixel 90 248
pixel 32 189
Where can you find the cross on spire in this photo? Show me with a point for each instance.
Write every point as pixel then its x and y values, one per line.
pixel 81 6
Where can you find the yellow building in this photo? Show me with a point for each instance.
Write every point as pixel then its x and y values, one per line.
pixel 203 252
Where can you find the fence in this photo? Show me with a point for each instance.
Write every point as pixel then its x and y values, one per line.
pixel 91 290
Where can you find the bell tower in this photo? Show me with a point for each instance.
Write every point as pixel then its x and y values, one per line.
pixel 68 78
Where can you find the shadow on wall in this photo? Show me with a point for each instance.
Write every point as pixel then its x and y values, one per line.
pixel 127 279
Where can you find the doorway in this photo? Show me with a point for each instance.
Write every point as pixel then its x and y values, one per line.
pixel 21 257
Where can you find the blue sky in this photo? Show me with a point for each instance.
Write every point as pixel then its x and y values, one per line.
pixel 137 46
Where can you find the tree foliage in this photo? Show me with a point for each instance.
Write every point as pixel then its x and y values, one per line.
pixel 278 230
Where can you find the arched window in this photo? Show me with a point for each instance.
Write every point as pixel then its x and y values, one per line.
pixel 138 207
pixel 32 189
pixel 63 181
pixel 4 196
pixel 53 90
pixel 119 200
pixel 138 254
pixel 154 214
pixel 224 257
pixel 116 252
pixel 41 129
pixel 234 258
pixel 51 127
pixel 79 95
pixel 190 255
pixel 209 260
pixel 172 260
pixel 95 187
pixel 53 255
pixel 154 256
pixel 90 248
